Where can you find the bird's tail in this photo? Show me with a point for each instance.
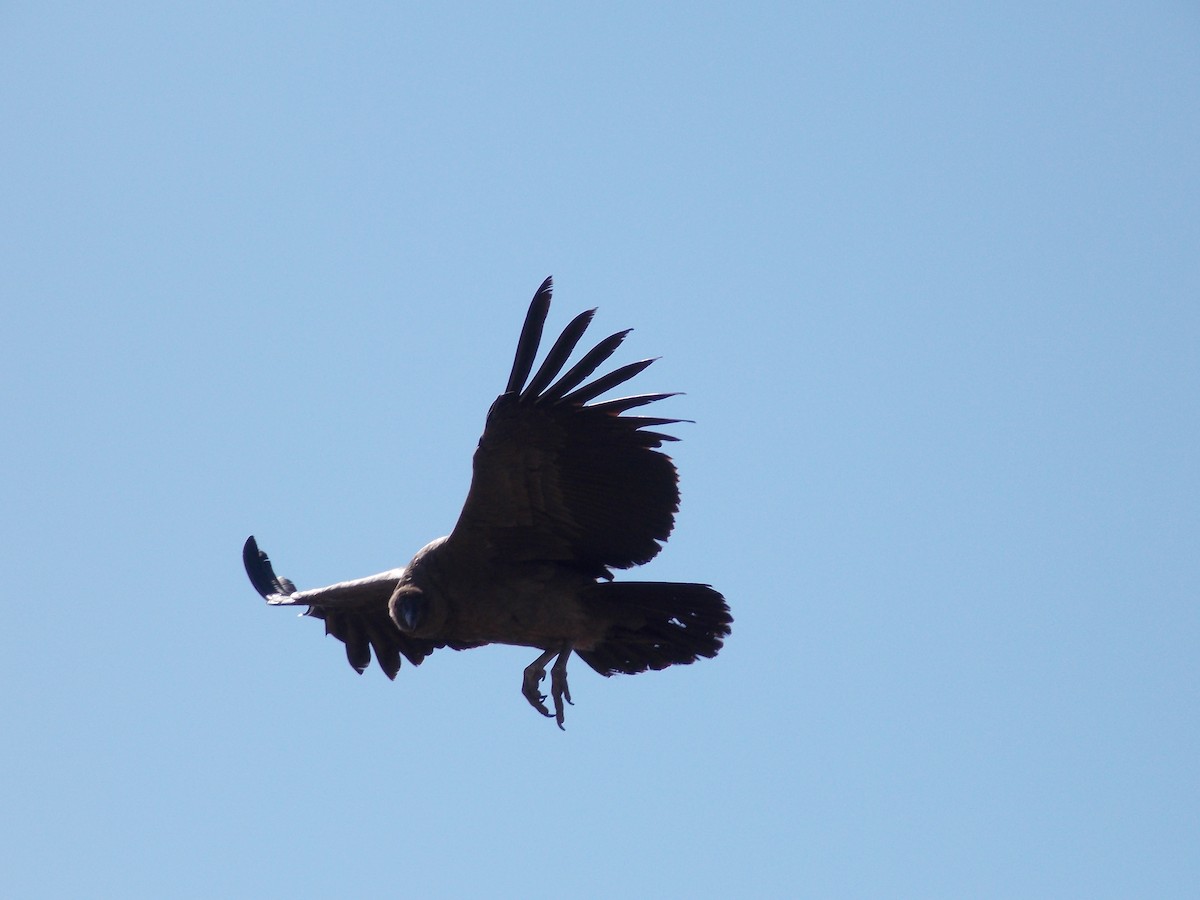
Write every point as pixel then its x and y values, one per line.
pixel 660 624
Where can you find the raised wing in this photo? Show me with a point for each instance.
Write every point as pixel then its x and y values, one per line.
pixel 559 478
pixel 355 612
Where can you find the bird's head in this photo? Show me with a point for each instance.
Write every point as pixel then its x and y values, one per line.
pixel 409 608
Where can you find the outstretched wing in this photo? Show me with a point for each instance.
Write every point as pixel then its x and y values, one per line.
pixel 557 477
pixel 355 612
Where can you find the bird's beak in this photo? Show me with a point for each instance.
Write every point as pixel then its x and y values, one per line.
pixel 412 611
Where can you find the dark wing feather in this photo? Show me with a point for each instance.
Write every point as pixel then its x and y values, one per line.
pixel 372 629
pixel 585 367
pixel 555 478
pixel 531 336
pixel 559 353
pixel 606 382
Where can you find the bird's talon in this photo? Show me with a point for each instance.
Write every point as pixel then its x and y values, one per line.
pixel 535 674
pixel 558 686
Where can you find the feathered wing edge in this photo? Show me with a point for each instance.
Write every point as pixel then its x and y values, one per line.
pixel 531 336
pixel 567 390
pixel 354 612
pixel 610 470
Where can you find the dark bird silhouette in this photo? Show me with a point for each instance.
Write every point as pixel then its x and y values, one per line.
pixel 563 491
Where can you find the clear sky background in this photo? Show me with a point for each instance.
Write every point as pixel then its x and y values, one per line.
pixel 930 279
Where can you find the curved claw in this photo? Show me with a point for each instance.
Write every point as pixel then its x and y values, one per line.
pixel 534 674
pixel 558 686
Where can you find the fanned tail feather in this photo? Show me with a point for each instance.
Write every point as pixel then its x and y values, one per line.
pixel 660 624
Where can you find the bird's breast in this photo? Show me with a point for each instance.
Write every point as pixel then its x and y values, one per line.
pixel 525 608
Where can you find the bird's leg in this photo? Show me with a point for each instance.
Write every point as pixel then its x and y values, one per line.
pixel 558 683
pixel 534 673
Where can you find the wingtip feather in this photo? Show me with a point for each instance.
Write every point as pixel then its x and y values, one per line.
pixel 258 568
pixel 531 335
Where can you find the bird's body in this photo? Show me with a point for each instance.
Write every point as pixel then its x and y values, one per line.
pixel 562 492
pixel 528 604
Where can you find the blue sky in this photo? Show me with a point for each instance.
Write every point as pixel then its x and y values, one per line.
pixel 929 279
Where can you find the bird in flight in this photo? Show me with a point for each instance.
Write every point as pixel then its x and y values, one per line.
pixel 563 491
